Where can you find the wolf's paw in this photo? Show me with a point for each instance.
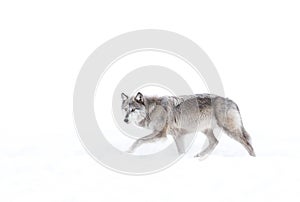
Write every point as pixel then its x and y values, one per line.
pixel 130 151
pixel 197 156
pixel 200 155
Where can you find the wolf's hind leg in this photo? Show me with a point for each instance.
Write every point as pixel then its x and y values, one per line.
pixel 212 143
pixel 155 136
pixel 233 126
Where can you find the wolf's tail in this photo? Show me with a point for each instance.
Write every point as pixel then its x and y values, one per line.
pixel 246 135
pixel 229 119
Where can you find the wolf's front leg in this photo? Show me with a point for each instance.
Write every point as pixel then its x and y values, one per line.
pixel 156 135
pixel 179 140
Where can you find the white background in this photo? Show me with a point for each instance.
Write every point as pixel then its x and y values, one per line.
pixel 254 45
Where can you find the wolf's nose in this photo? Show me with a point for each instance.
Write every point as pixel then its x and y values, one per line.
pixel 126 120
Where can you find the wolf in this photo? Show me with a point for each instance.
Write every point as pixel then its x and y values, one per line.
pixel 181 115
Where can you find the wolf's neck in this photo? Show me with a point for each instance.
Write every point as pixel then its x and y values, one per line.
pixel 145 121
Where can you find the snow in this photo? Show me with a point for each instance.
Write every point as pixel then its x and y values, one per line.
pixel 60 170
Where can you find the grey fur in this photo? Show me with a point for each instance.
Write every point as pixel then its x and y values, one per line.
pixel 185 114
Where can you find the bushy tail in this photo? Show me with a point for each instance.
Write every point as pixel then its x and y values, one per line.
pixel 246 135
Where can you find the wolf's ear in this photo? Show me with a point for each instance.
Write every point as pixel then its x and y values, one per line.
pixel 124 97
pixel 139 97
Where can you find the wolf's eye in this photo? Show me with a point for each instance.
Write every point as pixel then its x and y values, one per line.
pixel 132 110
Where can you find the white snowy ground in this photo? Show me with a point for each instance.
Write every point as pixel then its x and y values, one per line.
pixel 57 168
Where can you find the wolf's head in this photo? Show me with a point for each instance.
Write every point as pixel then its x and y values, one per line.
pixel 133 108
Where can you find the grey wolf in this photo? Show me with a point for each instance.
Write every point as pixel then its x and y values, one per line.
pixel 180 115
